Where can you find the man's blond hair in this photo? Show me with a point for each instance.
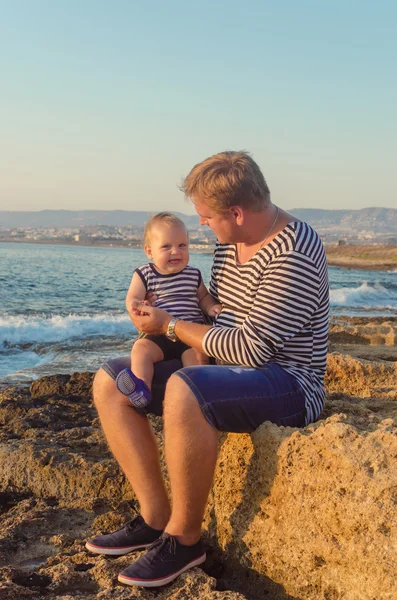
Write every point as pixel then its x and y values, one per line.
pixel 160 218
pixel 228 179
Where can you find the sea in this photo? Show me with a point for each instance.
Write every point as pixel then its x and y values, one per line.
pixel 62 308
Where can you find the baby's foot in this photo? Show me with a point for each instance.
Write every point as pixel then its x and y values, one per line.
pixel 137 391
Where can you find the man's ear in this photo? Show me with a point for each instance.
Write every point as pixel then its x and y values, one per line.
pixel 148 251
pixel 237 214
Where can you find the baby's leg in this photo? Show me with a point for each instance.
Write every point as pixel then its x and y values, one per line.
pixel 136 383
pixel 143 356
pixel 193 357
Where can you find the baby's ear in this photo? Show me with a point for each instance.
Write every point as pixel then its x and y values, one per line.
pixel 148 251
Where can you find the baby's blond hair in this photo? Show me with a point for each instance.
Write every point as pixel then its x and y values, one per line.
pixel 162 217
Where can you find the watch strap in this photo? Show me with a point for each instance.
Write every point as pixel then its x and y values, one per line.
pixel 170 333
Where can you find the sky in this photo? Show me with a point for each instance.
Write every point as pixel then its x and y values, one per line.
pixel 109 104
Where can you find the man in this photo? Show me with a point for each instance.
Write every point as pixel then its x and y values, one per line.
pixel 269 342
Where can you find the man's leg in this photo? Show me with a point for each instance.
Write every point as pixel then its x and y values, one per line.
pixel 191 447
pixel 228 396
pixel 133 444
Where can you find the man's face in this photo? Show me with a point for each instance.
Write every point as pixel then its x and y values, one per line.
pixel 222 223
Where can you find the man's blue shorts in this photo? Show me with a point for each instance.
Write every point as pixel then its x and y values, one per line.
pixel 232 398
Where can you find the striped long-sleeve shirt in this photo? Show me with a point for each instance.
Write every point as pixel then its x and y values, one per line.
pixel 275 309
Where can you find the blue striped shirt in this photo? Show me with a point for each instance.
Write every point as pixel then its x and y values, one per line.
pixel 176 292
pixel 275 309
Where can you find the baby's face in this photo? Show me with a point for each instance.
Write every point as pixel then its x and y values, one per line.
pixel 168 248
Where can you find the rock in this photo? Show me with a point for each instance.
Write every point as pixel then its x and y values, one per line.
pixel 40 569
pixel 363 331
pixel 313 509
pixel 77 384
pixel 50 385
pixel 360 376
pixel 309 514
pixel 80 385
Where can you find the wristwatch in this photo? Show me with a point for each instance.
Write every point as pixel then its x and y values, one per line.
pixel 170 333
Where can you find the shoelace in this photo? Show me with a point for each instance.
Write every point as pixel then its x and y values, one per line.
pixel 133 525
pixel 165 542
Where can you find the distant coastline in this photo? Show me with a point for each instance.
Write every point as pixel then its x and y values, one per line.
pixel 98 244
pixel 372 258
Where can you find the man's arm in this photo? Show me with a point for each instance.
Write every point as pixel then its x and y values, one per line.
pixel 191 334
pixel 283 306
pixel 155 321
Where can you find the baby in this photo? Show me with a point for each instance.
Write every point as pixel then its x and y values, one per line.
pixel 179 289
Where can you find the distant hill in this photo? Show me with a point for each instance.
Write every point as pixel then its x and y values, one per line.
pixel 376 220
pixel 80 218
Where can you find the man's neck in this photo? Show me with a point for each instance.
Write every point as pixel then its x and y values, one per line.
pixel 260 229
pixel 260 225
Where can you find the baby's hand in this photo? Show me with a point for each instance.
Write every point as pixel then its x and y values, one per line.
pixel 215 311
pixel 150 298
pixel 137 307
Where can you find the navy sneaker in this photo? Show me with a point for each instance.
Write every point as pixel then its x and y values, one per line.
pixel 135 535
pixel 130 385
pixel 165 560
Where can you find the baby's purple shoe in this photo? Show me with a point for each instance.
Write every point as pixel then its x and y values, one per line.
pixel 137 391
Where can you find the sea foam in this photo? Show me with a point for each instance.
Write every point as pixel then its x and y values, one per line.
pixel 365 295
pixel 17 330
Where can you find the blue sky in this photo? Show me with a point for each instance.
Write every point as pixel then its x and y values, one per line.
pixel 108 104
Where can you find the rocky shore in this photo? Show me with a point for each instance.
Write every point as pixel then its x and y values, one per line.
pixel 300 514
pixel 370 258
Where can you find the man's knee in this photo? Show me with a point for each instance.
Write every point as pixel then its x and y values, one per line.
pixel 102 386
pixel 179 399
pixel 104 390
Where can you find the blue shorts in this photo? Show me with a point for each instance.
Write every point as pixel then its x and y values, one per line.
pixel 232 398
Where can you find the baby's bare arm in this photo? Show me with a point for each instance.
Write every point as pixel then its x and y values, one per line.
pixel 207 303
pixel 136 292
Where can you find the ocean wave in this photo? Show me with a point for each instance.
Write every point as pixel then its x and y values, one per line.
pixel 374 297
pixel 20 330
pixel 22 363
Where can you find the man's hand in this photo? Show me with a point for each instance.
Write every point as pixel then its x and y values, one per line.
pixel 150 300
pixel 149 319
pixel 132 310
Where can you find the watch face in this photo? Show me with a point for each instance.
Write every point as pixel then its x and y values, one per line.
pixel 171 330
